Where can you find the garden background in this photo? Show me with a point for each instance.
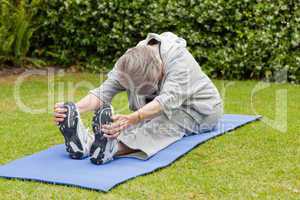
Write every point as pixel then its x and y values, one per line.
pixel 246 39
pixel 231 39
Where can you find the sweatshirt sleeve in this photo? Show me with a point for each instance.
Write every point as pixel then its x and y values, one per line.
pixel 108 89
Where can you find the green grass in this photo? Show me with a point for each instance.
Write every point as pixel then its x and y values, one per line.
pixel 253 162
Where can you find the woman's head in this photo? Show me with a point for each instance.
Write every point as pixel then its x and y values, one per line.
pixel 140 69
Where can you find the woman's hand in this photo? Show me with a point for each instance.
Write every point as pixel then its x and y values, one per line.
pixel 59 112
pixel 120 122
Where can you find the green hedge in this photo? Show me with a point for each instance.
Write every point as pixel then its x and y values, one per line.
pixel 230 39
pixel 16 29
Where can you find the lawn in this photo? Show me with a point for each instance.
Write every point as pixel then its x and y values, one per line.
pixel 254 162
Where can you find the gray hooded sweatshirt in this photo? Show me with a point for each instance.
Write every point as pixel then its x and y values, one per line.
pixel 184 86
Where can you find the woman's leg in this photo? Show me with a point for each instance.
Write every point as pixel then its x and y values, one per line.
pixel 150 137
pixel 123 149
pixel 145 140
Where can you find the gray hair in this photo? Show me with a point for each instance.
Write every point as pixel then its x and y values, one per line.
pixel 139 66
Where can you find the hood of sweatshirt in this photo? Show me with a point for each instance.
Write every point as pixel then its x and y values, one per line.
pixel 170 44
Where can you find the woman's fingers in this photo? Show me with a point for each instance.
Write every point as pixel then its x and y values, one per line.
pixel 114 124
pixel 114 128
pixel 111 131
pixel 118 117
pixel 58 119
pixel 115 117
pixel 59 115
pixel 113 136
pixel 58 105
pixel 60 110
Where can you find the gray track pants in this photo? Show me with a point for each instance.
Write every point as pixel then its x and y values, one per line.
pixel 154 135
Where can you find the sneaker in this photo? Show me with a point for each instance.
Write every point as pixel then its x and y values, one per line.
pixel 77 139
pixel 103 149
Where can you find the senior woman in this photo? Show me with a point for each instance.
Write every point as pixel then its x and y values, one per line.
pixel 167 91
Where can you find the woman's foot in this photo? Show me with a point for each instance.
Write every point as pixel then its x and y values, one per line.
pixel 77 139
pixel 103 149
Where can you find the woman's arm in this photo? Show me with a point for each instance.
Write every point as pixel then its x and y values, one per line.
pixel 89 103
pixel 93 100
pixel 148 111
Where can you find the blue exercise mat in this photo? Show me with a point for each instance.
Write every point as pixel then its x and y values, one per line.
pixel 54 166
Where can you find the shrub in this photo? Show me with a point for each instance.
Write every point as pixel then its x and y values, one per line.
pixel 16 30
pixel 230 39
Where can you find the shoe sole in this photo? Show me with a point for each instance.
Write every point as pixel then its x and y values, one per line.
pixel 69 131
pixel 99 145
